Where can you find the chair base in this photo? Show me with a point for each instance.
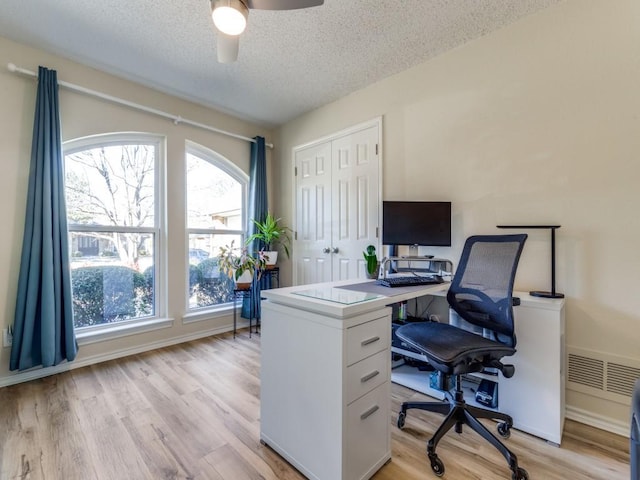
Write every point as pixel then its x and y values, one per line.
pixel 459 413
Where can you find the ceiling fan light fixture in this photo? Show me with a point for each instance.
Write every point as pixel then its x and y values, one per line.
pixel 229 16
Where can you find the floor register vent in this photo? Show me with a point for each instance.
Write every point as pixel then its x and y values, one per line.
pixel 602 375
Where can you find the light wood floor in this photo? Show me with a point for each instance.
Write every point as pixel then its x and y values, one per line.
pixel 192 412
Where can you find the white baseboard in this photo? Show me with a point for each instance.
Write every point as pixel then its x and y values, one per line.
pixel 84 362
pixel 598 421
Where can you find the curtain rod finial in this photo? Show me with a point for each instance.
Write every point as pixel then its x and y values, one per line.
pixel 12 67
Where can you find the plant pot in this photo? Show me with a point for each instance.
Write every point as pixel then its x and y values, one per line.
pixel 243 282
pixel 374 274
pixel 270 257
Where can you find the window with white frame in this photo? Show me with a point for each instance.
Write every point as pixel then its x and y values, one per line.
pixel 216 216
pixel 114 212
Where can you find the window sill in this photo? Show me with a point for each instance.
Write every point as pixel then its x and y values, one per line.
pixel 112 331
pixel 202 315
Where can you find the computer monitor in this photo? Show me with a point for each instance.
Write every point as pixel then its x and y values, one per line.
pixel 416 223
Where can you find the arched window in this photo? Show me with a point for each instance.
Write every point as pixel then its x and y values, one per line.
pixel 216 216
pixel 115 220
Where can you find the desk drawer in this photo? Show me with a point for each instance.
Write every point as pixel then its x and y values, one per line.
pixel 368 338
pixel 367 374
pixel 368 438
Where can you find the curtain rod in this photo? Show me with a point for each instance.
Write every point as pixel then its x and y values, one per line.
pixel 175 118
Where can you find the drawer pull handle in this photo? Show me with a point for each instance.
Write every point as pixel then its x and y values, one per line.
pixel 369 341
pixel 368 377
pixel 369 412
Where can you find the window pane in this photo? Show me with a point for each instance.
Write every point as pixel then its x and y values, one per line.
pixel 214 198
pixel 208 286
pixel 111 185
pixel 112 273
pixel 112 276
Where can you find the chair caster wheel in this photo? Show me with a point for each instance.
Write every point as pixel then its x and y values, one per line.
pixel 521 474
pixel 436 465
pixel 504 430
pixel 401 417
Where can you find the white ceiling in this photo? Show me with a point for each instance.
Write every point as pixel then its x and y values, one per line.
pixel 290 62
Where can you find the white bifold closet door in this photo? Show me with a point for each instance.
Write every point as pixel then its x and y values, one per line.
pixel 338 201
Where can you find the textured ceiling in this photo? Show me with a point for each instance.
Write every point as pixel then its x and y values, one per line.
pixel 290 62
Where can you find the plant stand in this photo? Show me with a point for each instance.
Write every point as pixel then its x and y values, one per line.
pixel 274 273
pixel 241 294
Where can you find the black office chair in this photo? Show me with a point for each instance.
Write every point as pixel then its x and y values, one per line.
pixel 481 292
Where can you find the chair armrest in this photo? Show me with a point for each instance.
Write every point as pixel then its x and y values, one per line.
pixel 635 413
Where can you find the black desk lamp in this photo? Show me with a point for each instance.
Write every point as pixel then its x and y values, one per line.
pixel 553 228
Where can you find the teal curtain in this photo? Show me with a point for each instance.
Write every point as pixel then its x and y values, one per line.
pixel 43 324
pixel 257 209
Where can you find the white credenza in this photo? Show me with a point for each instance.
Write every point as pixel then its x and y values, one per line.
pixel 326 378
pixel 534 396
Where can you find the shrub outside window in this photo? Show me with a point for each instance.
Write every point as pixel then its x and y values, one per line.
pixel 216 216
pixel 113 212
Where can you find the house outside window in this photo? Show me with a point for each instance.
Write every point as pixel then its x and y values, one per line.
pixel 216 216
pixel 114 212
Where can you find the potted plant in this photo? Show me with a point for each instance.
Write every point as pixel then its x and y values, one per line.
pixel 272 234
pixel 372 264
pixel 239 265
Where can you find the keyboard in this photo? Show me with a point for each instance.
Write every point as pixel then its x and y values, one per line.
pixel 409 281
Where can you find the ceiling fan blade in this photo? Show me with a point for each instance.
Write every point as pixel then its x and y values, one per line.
pixel 227 48
pixel 282 4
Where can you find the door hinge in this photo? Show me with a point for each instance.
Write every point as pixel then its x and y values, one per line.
pixel 295 235
pixel 376 149
pixel 377 228
pixel 295 171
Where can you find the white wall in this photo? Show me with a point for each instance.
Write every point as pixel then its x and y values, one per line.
pixel 81 116
pixel 536 123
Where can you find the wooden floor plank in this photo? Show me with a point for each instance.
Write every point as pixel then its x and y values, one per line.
pixel 192 411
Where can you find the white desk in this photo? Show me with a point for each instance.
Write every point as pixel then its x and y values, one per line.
pixel 325 377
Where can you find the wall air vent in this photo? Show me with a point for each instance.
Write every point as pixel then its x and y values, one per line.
pixel 621 378
pixel 586 371
pixel 602 375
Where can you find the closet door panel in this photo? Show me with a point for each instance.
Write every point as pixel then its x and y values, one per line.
pixel 356 196
pixel 313 214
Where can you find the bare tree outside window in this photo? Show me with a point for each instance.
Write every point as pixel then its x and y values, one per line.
pixel 113 185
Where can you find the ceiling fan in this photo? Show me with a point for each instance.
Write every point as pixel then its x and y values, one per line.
pixel 230 19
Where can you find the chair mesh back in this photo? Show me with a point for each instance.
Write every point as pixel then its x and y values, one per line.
pixel 482 288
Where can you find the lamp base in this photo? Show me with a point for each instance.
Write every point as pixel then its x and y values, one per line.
pixel 546 294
